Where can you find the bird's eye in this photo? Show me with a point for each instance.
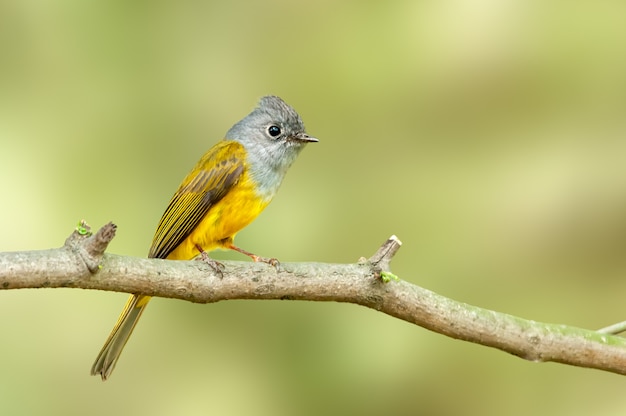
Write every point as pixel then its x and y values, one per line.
pixel 273 131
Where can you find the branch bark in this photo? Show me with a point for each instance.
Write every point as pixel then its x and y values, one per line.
pixel 82 263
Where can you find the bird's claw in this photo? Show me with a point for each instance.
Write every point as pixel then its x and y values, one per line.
pixel 271 261
pixel 217 267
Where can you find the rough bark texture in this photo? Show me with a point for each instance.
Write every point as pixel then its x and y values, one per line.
pixel 81 263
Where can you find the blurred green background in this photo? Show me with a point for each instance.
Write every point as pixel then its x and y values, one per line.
pixel 488 135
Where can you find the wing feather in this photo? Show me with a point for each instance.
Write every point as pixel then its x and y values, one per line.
pixel 214 175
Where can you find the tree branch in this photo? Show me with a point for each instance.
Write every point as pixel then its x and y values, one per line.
pixel 81 263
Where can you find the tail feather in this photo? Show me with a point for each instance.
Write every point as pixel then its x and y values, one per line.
pixel 110 352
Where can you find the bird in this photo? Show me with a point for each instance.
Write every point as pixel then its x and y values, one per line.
pixel 226 190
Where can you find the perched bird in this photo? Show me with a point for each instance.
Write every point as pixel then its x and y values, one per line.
pixel 226 190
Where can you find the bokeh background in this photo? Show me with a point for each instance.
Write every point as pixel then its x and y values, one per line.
pixel 488 135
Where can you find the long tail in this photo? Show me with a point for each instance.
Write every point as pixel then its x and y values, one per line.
pixel 110 352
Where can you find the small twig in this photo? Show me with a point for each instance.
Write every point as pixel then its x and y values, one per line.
pixel 613 329
pixel 385 253
pixel 89 247
pixel 97 244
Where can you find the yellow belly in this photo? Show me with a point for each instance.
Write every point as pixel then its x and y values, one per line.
pixel 238 208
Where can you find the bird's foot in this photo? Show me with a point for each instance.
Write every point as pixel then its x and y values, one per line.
pixel 217 267
pixel 271 261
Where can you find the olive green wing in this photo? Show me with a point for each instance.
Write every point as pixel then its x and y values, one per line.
pixel 211 179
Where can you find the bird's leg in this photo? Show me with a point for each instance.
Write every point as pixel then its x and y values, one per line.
pixel 215 265
pixel 270 261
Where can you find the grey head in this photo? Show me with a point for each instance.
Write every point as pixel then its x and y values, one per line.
pixel 273 135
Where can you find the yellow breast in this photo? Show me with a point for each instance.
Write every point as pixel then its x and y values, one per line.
pixel 237 209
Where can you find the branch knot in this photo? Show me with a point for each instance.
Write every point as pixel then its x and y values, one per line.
pixel 88 246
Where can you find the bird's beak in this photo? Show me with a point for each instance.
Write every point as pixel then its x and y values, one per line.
pixel 303 137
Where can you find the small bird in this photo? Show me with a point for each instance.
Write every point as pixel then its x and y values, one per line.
pixel 227 189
